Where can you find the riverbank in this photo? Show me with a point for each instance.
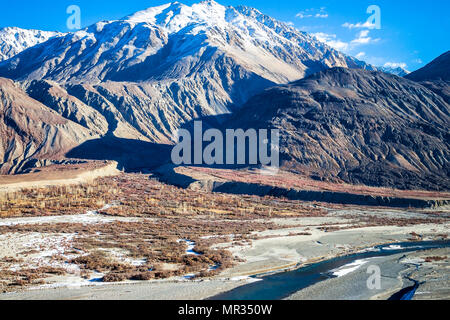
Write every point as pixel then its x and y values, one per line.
pixel 162 290
pixel 281 250
pixel 397 272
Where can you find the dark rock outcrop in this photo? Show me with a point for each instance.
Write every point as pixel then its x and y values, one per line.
pixel 438 69
pixel 357 126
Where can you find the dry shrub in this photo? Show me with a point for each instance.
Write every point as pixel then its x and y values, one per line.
pixel 98 261
pixel 435 258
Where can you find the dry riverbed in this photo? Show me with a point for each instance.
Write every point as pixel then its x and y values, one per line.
pixel 154 241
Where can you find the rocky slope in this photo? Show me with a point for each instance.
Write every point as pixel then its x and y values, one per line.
pixel 357 126
pixel 30 130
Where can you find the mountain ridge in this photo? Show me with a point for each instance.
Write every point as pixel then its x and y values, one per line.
pixel 14 40
pixel 30 130
pixel 243 34
pixel 357 126
pixel 438 69
pixel 145 75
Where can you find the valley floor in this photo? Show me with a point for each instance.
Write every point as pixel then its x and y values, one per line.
pixel 154 241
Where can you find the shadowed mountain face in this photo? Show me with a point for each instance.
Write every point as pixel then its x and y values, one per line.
pixel 435 76
pixel 357 126
pixel 438 69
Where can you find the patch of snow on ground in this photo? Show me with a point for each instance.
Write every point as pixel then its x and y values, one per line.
pixel 91 217
pixel 190 248
pixel 348 268
pixel 393 247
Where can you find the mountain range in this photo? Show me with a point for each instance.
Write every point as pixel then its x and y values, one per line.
pixel 357 126
pixel 142 77
pixel 146 74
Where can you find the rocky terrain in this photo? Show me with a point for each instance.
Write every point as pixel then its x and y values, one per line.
pixel 128 85
pixel 357 126
pixel 30 130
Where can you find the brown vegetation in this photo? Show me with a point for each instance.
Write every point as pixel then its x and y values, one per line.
pixel 431 259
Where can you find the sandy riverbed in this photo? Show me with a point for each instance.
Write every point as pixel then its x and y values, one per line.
pixel 281 250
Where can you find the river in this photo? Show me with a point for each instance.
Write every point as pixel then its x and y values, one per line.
pixel 281 285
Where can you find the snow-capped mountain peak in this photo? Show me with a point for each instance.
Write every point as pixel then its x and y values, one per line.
pixel 14 40
pixel 395 70
pixel 176 40
pixel 175 16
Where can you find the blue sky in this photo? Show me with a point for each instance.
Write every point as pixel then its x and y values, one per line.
pixel 412 32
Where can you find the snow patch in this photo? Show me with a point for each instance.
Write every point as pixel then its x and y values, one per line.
pixel 348 268
pixel 190 247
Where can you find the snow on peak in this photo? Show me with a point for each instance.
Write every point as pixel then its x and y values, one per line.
pixel 191 36
pixel 395 70
pixel 176 16
pixel 14 40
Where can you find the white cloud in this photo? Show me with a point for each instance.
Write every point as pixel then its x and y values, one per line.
pixel 339 45
pixel 395 65
pixel 417 61
pixel 363 38
pixel 301 15
pixel 360 55
pixel 312 13
pixel 322 36
pixel 359 25
pixel 363 33
pixel 330 39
